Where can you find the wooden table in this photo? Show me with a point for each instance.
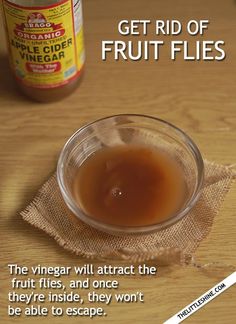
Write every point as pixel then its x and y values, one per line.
pixel 199 97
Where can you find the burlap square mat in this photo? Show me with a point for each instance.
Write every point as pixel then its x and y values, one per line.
pixel 49 213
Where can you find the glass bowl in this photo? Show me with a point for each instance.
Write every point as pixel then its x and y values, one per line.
pixel 130 129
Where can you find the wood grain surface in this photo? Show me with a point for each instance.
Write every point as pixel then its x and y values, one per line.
pixel 199 97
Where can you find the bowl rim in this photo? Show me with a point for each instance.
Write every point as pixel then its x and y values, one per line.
pixel 124 230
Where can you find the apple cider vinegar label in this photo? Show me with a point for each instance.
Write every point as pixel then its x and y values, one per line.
pixel 46 43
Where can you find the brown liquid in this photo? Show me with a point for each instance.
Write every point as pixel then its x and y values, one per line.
pixel 130 186
pixel 52 94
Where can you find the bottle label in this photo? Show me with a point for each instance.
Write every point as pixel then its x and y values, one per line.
pixel 45 43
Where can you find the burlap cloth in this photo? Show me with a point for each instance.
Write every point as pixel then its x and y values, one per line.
pixel 49 213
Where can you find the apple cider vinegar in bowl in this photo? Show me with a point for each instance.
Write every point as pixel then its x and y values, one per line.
pixel 130 174
pixel 129 185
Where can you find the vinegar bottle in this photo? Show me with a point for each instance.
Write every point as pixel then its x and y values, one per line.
pixel 46 47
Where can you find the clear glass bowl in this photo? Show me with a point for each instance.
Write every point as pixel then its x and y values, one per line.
pixel 130 129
